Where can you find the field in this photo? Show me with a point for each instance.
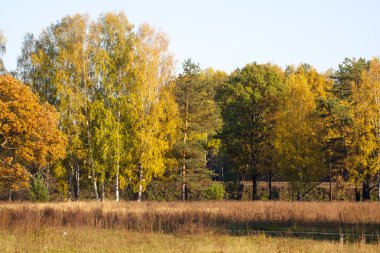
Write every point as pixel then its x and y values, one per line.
pixel 190 227
pixel 114 240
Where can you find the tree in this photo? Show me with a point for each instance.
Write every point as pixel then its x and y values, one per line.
pixel 348 74
pixel 366 126
pixel 113 43
pixel 200 119
pixel 297 135
pixel 29 135
pixel 342 110
pixel 152 109
pixel 249 101
pixel 2 51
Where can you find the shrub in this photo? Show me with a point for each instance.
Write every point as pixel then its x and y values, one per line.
pixel 38 189
pixel 215 191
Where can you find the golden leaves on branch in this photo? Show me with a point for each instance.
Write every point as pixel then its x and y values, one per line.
pixel 28 132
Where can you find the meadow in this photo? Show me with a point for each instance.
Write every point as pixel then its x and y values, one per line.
pixel 220 226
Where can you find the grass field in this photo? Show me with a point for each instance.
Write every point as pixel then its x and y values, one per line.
pixel 114 240
pixel 189 227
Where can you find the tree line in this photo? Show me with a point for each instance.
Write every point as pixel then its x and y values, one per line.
pixel 95 110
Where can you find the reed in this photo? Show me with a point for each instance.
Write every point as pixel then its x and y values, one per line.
pixel 195 217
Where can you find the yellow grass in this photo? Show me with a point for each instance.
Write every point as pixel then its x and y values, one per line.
pixel 114 240
pixel 184 227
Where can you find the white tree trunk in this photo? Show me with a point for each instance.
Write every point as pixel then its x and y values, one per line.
pixel 117 183
pixel 140 183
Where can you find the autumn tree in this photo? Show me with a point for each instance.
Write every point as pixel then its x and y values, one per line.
pixel 249 101
pixel 112 40
pixel 30 139
pixel 297 135
pixel 365 136
pixel 152 108
pixel 341 110
pixel 2 51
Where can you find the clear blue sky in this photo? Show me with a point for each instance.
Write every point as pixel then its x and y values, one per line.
pixel 224 34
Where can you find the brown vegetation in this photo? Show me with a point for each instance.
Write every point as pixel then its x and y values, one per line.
pixel 219 217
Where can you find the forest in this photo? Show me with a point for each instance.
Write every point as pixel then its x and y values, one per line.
pixel 96 110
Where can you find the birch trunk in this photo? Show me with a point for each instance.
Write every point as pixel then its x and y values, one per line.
pixel 183 190
pixel 139 196
pixel 117 183
pixel 118 157
pixel 91 158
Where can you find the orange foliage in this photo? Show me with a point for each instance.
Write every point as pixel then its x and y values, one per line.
pixel 29 134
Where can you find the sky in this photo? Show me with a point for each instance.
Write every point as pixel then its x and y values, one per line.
pixel 224 34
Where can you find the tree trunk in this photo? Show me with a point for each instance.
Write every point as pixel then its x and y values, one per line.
pixel 299 196
pixel 270 185
pixel 117 157
pixel 222 171
pixel 103 192
pixel 71 183
pixel 357 192
pixel 47 181
pixel 117 183
pixel 331 197
pixel 378 185
pixel 94 181
pixel 366 189
pixel 240 188
pixel 139 196
pixel 254 187
pixel 183 189
pixel 77 181
pixel 90 158
pixel 95 187
pixel 10 195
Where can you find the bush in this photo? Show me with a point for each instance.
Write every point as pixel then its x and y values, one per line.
pixel 215 191
pixel 38 189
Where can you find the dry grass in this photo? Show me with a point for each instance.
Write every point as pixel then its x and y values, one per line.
pixel 195 217
pixel 113 240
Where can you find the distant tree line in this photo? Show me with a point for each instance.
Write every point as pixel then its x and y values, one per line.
pixel 94 110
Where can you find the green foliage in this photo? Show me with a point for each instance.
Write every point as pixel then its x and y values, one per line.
pixel 38 189
pixel 124 112
pixel 215 191
pixel 249 102
pixel 200 119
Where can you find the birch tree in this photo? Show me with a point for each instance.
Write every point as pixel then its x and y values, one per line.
pixel 2 52
pixel 366 107
pixel 113 37
pixel 297 135
pixel 152 108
